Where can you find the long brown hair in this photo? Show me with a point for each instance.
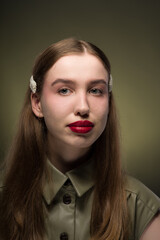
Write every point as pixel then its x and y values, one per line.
pixel 23 211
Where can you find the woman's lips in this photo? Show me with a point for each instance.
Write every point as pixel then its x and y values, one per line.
pixel 81 126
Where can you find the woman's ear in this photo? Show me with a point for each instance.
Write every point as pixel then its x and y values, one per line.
pixel 36 105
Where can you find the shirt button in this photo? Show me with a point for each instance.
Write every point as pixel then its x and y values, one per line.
pixel 67 199
pixel 64 236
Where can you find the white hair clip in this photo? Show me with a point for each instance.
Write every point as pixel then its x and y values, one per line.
pixel 33 85
pixel 110 83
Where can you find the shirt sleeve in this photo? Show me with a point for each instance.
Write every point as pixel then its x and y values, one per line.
pixel 143 205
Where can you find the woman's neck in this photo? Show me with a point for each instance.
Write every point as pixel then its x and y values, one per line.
pixel 67 158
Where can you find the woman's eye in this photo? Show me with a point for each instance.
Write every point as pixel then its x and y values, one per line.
pixel 96 91
pixel 64 91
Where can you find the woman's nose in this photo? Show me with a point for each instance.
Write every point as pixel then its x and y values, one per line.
pixel 81 105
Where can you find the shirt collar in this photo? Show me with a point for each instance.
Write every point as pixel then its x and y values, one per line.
pixel 81 179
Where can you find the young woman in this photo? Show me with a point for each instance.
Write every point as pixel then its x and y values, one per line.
pixel 63 176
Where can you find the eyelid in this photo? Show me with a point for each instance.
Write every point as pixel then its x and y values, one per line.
pixel 64 88
pixel 101 88
pixel 100 91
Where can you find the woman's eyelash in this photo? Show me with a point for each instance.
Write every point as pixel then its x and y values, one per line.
pixel 96 91
pixel 64 91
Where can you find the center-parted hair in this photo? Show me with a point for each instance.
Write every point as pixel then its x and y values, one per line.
pixel 23 212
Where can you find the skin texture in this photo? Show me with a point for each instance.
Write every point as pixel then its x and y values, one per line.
pixel 153 230
pixel 63 102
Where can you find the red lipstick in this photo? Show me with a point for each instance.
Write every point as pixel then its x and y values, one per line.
pixel 81 126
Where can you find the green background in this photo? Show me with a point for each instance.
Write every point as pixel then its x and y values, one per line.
pixel 129 34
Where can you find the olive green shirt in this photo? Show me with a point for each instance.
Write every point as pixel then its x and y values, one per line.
pixel 69 202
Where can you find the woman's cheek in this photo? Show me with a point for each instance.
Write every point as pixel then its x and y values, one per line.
pixel 101 106
pixel 57 107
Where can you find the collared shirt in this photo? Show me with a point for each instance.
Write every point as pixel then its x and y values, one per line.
pixel 68 199
pixel 68 202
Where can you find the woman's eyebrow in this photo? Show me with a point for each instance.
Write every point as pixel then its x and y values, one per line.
pixel 101 81
pixel 66 81
pixel 59 80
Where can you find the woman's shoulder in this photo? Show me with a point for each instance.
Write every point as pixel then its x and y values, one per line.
pixel 143 205
pixel 138 190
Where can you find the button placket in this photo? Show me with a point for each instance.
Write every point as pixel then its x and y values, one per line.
pixel 66 231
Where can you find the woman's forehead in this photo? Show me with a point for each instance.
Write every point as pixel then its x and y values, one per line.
pixel 78 64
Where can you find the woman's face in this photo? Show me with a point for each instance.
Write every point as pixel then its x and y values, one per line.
pixel 75 101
